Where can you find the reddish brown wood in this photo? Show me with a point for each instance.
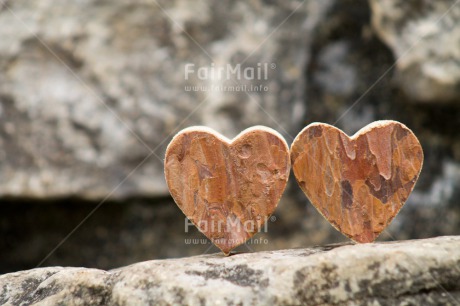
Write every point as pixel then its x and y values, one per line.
pixel 358 184
pixel 228 189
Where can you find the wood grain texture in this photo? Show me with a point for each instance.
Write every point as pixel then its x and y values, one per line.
pixel 228 189
pixel 357 183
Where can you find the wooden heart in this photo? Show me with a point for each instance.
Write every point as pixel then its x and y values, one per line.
pixel 357 183
pixel 228 189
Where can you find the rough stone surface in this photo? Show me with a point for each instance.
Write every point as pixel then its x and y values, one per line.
pixel 227 188
pixel 89 88
pixel 400 273
pixel 425 38
pixel 357 183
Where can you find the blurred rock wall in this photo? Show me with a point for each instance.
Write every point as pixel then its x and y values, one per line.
pixel 425 39
pixel 90 90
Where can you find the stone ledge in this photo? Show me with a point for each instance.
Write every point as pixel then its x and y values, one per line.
pixel 406 272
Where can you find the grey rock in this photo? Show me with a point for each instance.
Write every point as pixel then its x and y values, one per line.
pixel 89 89
pixel 425 38
pixel 443 189
pixel 400 273
pixel 334 74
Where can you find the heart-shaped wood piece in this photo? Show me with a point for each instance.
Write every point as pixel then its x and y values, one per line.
pixel 228 189
pixel 357 183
